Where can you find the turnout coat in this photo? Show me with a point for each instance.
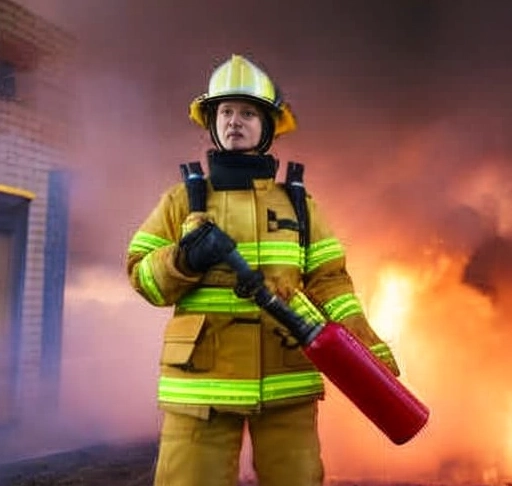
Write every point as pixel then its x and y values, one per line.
pixel 220 351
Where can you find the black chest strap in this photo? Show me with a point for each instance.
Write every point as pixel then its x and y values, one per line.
pixel 294 185
pixel 193 177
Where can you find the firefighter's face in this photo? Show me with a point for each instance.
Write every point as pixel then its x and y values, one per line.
pixel 239 125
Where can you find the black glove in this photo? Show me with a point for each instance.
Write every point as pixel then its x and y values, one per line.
pixel 206 246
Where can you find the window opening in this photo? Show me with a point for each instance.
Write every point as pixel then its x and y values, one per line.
pixel 7 80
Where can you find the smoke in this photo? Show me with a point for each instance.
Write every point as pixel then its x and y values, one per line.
pixel 109 372
pixel 404 122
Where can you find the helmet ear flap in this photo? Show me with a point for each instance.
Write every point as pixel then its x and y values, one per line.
pixel 196 111
pixel 286 121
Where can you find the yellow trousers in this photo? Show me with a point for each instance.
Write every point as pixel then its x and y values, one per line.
pixel 197 452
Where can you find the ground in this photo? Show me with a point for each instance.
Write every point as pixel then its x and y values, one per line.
pixel 93 466
pixel 131 465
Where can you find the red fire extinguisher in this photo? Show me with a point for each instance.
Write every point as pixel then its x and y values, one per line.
pixel 367 382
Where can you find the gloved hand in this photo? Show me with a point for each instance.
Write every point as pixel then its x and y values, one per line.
pixel 193 221
pixel 205 246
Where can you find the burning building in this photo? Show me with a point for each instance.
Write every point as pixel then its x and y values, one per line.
pixel 34 138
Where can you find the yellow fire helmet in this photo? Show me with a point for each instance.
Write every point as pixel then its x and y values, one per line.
pixel 239 78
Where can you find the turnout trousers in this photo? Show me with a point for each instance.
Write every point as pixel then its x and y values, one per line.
pixel 198 452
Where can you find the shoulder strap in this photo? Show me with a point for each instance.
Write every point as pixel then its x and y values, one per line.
pixel 193 177
pixel 294 186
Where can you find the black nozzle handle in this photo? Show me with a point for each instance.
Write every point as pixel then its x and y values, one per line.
pixel 250 284
pixel 238 263
pixel 303 332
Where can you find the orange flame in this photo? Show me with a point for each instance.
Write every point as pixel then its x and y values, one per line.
pixel 508 441
pixel 391 304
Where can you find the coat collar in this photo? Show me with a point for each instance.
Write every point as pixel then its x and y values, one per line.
pixel 237 171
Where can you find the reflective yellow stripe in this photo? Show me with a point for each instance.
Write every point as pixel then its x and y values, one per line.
pixel 323 251
pixel 381 350
pixel 272 253
pixel 305 308
pixel 215 300
pixel 211 391
pixel 147 282
pixel 277 387
pixel 239 392
pixel 143 242
pixel 255 253
pixel 342 306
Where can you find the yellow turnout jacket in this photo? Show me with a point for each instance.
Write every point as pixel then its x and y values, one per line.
pixel 222 351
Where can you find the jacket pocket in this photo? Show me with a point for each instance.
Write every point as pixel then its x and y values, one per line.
pixel 187 345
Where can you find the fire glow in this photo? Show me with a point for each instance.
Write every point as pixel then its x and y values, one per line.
pixel 391 304
pixel 445 337
pixel 508 438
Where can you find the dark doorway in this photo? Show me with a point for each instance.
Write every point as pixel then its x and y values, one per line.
pixel 13 238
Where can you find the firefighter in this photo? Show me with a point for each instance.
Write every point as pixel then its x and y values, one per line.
pixel 225 363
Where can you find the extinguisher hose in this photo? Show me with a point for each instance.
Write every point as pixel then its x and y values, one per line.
pixel 250 284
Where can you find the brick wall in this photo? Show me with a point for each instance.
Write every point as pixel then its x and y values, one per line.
pixel 35 133
pixel 42 55
pixel 28 165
